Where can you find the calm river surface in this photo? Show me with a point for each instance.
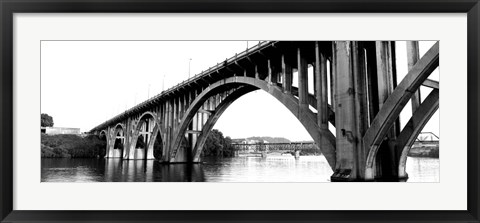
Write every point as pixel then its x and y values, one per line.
pixel 237 169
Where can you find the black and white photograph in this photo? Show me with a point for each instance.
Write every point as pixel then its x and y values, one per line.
pixel 239 111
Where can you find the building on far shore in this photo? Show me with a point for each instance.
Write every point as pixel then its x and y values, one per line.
pixel 59 130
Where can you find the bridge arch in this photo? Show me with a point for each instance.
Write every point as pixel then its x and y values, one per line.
pixel 103 136
pixel 303 114
pixel 151 136
pixel 119 125
pixel 103 133
pixel 394 104
pixel 197 150
pixel 118 132
pixel 414 127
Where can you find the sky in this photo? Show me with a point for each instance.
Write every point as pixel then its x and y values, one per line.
pixel 84 83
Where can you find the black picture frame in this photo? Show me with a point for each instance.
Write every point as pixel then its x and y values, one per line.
pixel 9 7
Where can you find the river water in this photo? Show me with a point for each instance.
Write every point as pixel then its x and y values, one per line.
pixel 237 169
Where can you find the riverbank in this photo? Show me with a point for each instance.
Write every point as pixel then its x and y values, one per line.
pixel 424 150
pixel 72 146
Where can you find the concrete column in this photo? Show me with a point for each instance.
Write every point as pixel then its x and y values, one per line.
pixel 361 105
pixel 256 72
pixel 181 153
pixel 277 74
pixel 187 101
pixel 169 127
pixel 333 78
pixel 205 107
pixel 194 127
pixel 413 55
pixel 109 143
pixel 180 108
pixel 212 103
pixel 174 116
pixel 384 71
pixel 321 87
pixel 164 134
pixel 286 75
pixel 345 118
pixel 386 161
pixel 149 146
pixel 269 64
pixel 129 149
pixel 302 79
pixel 176 112
pixel 148 130
pixel 185 105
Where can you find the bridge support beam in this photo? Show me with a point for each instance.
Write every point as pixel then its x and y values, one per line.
pixel 386 160
pixel 413 55
pixel 321 87
pixel 286 75
pixel 349 124
pixel 302 79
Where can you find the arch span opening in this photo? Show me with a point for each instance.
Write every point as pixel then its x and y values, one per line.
pixel 119 142
pixel 144 137
pixel 263 127
pixel 230 85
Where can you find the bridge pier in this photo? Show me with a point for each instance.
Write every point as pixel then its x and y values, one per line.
pixel 386 159
pixel 349 99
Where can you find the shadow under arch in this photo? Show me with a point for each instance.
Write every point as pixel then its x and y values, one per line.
pixel 158 146
pixel 306 117
pixel 118 130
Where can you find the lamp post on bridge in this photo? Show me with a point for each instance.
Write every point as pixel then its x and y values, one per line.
pixel 189 62
pixel 163 83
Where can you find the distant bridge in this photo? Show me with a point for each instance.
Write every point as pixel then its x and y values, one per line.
pixel 262 149
pixel 355 90
pixel 291 146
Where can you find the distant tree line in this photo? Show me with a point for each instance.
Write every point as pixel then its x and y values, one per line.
pixel 216 145
pixel 72 146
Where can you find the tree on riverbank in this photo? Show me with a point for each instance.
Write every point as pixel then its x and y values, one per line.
pixel 73 146
pixel 218 146
pixel 46 120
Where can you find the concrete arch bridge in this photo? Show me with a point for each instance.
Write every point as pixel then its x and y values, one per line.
pixel 355 90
